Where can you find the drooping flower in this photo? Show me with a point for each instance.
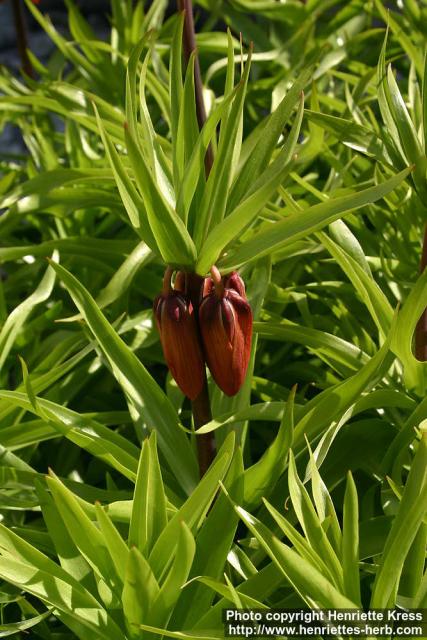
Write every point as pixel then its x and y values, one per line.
pixel 225 320
pixel 179 337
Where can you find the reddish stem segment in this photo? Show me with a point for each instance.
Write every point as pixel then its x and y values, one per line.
pixel 421 328
pixel 205 442
pixel 21 36
pixel 201 405
pixel 189 42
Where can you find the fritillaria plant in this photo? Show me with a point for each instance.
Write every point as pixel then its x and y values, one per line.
pixel 196 203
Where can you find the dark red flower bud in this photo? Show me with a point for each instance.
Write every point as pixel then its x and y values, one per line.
pixel 179 337
pixel 225 320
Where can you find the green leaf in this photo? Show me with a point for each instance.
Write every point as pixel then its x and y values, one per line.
pixel 69 556
pixel 183 635
pixel 150 146
pixel 211 550
pixel 262 411
pixel 139 592
pixel 68 50
pixel 408 134
pixel 149 503
pixel 24 566
pixel 213 205
pixel 350 542
pixel 257 196
pixel 353 135
pixel 297 226
pixel 309 583
pixel 15 627
pixel 83 431
pixel 175 244
pixel 19 315
pixel 131 86
pixel 86 536
pixel 413 52
pixel 266 140
pixel 195 167
pixel 371 294
pixel 188 128
pixel 299 543
pixel 176 91
pixel 332 404
pixel 410 515
pixel 132 201
pixel 192 511
pixel 342 355
pixel 171 588
pixel 407 318
pixel 261 477
pixel 324 504
pixel 114 542
pixel 311 523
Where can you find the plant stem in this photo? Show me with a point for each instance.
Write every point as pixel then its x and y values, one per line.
pixel 189 42
pixel 21 37
pixel 205 442
pixel 421 328
pixel 201 405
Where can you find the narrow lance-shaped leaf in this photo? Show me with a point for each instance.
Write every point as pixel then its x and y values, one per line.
pixel 20 314
pixel 350 541
pixel 131 86
pixel 258 160
pixel 306 579
pixel 212 208
pixel 261 477
pixel 150 145
pixel 188 128
pixel 193 510
pixel 280 234
pixel 149 503
pixel 410 515
pixel 170 590
pixel 139 592
pixel 173 239
pixel 132 201
pixel 85 535
pixel 175 91
pixel 311 524
pixel 195 166
pixel 257 197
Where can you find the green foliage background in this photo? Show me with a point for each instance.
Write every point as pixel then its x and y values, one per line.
pixel 317 495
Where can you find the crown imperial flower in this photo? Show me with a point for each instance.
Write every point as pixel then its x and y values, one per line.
pixel 225 320
pixel 179 336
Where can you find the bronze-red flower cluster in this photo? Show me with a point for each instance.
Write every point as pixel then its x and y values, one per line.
pixel 212 326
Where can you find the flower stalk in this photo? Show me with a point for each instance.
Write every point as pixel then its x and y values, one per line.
pixel 21 36
pixel 204 320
